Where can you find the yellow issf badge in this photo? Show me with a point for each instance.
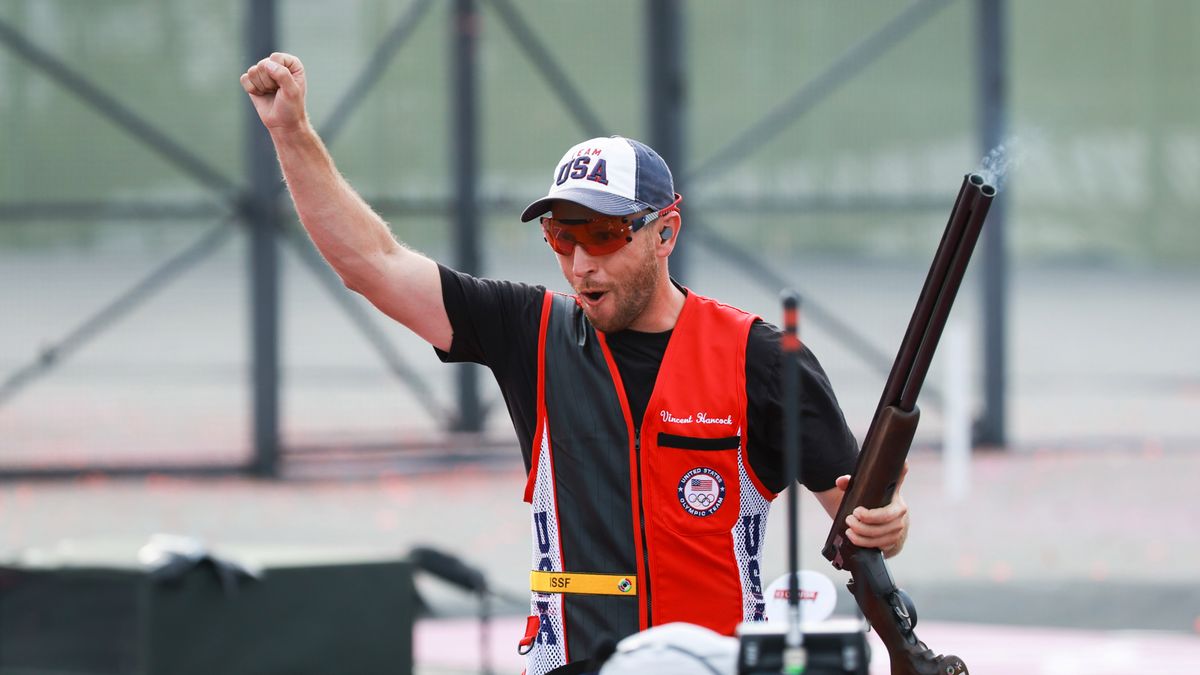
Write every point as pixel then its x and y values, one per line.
pixel 577 582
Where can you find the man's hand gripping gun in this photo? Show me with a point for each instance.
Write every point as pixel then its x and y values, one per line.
pixel 888 609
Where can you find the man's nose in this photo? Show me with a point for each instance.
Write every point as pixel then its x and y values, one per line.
pixel 582 262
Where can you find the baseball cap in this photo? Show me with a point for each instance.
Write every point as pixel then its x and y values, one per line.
pixel 615 176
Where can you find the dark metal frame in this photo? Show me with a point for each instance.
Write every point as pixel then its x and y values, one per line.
pixel 991 59
pixel 256 205
pixel 465 161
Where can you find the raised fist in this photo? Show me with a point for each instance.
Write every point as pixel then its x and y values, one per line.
pixel 276 87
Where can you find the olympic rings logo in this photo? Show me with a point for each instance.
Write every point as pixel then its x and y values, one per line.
pixel 701 491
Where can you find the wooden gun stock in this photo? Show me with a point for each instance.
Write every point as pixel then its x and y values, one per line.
pixel 891 613
pixel 889 437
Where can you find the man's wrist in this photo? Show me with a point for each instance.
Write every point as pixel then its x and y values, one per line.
pixel 300 132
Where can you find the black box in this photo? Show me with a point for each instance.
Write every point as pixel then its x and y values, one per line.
pixel 346 618
pixel 832 648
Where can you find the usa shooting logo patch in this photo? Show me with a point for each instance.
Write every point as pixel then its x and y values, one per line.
pixel 701 491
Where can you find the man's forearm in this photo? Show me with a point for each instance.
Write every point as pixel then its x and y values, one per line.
pixel 348 233
pixel 354 239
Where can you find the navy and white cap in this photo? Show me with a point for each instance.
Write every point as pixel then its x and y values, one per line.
pixel 616 176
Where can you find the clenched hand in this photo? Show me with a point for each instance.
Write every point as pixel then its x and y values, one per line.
pixel 276 86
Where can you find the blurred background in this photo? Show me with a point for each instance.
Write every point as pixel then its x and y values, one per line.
pixel 175 358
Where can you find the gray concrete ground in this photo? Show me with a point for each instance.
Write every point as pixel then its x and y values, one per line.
pixel 1087 521
pixel 1058 539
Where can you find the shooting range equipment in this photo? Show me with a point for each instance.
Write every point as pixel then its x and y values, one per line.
pixel 457 573
pixel 795 648
pixel 190 612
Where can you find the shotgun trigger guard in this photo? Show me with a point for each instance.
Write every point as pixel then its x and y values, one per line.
pixel 839 562
pixel 905 610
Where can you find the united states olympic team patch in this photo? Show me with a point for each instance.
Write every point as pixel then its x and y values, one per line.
pixel 701 491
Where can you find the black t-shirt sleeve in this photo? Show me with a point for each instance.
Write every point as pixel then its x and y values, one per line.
pixel 828 447
pixel 495 324
pixel 490 319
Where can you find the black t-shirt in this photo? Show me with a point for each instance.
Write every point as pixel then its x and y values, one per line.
pixel 496 324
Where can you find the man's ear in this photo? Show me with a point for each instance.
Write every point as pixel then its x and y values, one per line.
pixel 669 234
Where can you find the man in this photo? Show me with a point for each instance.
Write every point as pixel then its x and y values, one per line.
pixel 649 417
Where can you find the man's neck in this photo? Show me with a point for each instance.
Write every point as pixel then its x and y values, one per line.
pixel 663 310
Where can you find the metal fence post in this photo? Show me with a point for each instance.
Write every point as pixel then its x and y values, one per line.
pixel 666 99
pixel 993 103
pixel 465 145
pixel 263 216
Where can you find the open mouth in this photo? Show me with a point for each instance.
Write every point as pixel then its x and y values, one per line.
pixel 594 296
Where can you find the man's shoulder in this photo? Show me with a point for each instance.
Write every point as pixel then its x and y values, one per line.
pixel 762 348
pixel 722 306
pixel 491 318
pixel 764 330
pixel 720 316
pixel 483 288
pixel 762 341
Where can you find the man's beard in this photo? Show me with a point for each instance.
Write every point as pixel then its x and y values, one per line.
pixel 630 298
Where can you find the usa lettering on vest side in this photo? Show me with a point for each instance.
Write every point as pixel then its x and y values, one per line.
pixel 760 606
pixel 751 529
pixel 541 524
pixel 546 633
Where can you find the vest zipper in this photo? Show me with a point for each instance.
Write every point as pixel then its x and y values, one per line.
pixel 645 583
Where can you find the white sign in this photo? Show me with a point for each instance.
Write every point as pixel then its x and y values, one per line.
pixel 817 598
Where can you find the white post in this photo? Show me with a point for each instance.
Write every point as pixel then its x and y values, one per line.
pixel 956 440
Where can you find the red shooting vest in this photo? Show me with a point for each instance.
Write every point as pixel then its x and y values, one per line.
pixel 674 502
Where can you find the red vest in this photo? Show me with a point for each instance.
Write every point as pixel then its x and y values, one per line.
pixel 674 502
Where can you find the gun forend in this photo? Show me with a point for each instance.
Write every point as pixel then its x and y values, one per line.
pixel 875 480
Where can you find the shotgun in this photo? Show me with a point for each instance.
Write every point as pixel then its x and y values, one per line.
pixel 887 608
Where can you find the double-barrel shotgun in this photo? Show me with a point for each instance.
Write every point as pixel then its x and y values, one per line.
pixel 885 448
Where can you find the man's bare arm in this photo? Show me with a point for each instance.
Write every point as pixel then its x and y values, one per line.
pixel 355 241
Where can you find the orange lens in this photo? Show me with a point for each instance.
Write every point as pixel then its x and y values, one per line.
pixel 597 236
